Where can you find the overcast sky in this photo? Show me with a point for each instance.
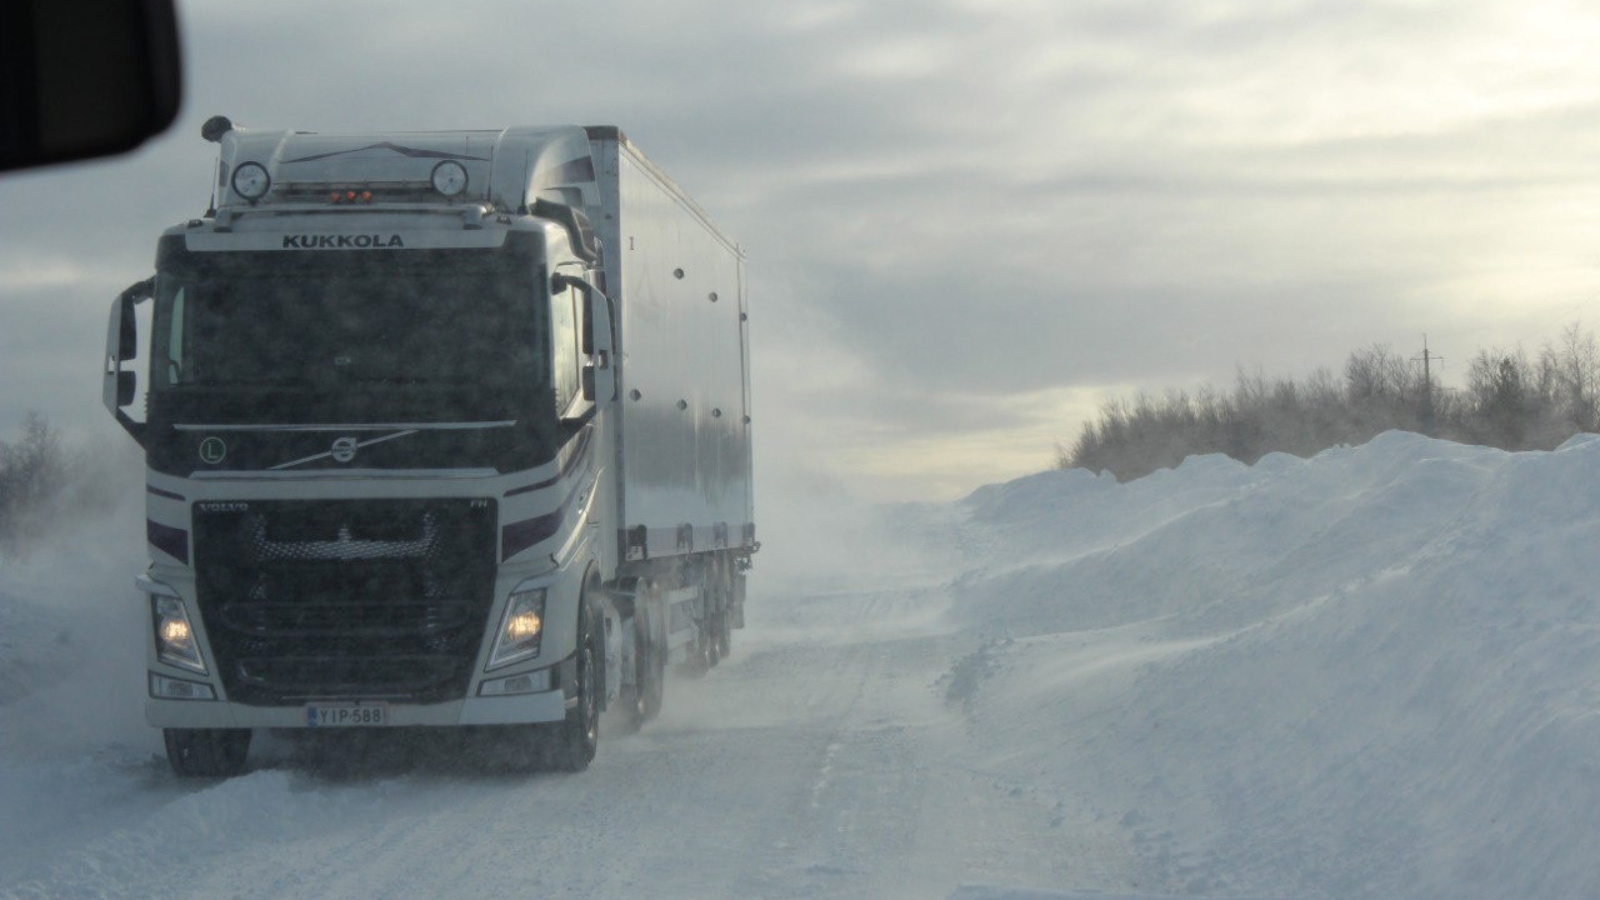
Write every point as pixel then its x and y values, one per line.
pixel 967 222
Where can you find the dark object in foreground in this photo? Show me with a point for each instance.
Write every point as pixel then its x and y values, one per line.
pixel 85 78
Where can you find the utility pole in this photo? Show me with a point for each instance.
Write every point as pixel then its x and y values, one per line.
pixel 1427 358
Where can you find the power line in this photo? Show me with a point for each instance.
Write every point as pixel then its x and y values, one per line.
pixel 1427 358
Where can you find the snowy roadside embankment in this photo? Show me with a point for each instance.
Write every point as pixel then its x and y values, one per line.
pixel 1374 673
pixel 75 754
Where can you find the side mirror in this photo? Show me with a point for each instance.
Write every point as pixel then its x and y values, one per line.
pixel 128 329
pixel 599 376
pixel 118 387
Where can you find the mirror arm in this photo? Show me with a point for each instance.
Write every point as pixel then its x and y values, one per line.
pixel 140 291
pixel 135 429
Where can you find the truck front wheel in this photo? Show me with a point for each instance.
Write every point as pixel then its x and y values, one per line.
pixel 207 752
pixel 576 738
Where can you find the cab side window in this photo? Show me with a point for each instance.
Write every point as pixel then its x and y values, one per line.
pixel 564 336
pixel 180 323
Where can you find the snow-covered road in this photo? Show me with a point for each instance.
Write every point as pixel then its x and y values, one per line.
pixel 822 759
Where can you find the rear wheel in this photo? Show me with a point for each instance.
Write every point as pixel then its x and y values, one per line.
pixel 723 633
pixel 708 637
pixel 698 660
pixel 207 752
pixel 650 659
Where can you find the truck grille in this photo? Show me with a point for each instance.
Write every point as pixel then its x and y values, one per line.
pixel 350 598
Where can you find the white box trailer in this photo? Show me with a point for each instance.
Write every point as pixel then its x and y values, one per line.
pixel 685 412
pixel 442 429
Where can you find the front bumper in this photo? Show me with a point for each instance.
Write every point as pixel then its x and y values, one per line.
pixel 548 702
pixel 544 706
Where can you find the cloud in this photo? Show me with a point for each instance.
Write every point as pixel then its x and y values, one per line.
pixel 957 213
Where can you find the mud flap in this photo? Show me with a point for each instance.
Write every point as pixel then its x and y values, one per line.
pixel 736 613
pixel 612 679
pixel 627 651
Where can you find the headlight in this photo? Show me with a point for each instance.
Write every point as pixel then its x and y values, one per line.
pixel 251 181
pixel 520 630
pixel 175 638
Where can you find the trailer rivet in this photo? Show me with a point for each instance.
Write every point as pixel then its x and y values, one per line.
pixel 683 404
pixel 634 394
pixel 677 273
pixel 712 296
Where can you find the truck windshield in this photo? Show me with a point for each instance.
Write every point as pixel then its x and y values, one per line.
pixel 368 323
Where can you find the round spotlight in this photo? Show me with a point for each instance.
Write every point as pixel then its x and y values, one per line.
pixel 449 178
pixel 251 181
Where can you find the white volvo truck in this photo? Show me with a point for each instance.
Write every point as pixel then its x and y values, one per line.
pixel 442 429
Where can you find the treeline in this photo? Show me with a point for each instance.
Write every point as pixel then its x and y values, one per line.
pixel 42 479
pixel 1511 400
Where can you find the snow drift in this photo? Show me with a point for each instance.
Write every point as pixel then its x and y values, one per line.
pixel 1373 673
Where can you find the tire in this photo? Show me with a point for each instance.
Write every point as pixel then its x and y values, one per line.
pixel 650 674
pixel 655 694
pixel 575 739
pixel 723 633
pixel 698 662
pixel 708 637
pixel 207 752
pixel 702 651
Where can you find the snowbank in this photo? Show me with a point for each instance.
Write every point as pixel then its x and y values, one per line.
pixel 1373 673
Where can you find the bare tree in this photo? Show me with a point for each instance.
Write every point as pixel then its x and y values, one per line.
pixel 1577 375
pixel 1510 401
pixel 32 473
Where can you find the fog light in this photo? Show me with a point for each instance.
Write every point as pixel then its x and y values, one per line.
pixel 527 683
pixel 164 688
pixel 520 630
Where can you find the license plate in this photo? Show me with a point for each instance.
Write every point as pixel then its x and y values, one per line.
pixel 347 715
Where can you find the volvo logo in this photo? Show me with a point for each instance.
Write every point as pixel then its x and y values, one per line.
pixel 213 450
pixel 344 449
